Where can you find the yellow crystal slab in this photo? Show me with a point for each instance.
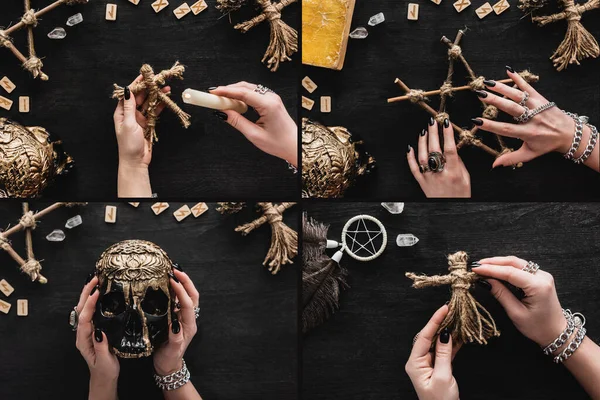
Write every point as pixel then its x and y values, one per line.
pixel 325 29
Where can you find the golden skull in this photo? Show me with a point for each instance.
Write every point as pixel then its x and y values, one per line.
pixel 331 161
pixel 29 160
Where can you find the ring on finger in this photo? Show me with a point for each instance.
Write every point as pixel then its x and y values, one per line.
pixel 263 90
pixel 74 319
pixel 424 168
pixel 521 119
pixel 531 267
pixel 436 161
pixel 415 338
pixel 525 98
pixel 197 312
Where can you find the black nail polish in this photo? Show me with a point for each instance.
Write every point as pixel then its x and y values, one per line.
pixel 510 69
pixel 127 93
pixel 423 132
pixel 446 123
pixel 212 88
pixel 446 303
pixel 475 264
pixel 98 335
pixel 445 336
pixel 477 121
pixel 89 278
pixel 481 93
pixel 177 267
pixel 221 115
pixel 489 83
pixel 93 290
pixel 408 149
pixel 175 327
pixel 485 284
pixel 431 121
pixel 174 278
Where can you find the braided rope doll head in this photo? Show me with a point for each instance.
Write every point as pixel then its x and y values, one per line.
pixel 467 319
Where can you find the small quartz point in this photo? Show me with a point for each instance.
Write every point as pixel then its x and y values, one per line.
pixel 57 33
pixel 376 19
pixel 406 240
pixel 56 236
pixel 73 222
pixel 75 19
pixel 393 208
pixel 359 33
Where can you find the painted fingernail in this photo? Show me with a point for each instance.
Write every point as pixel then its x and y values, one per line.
pixel 221 115
pixel 89 278
pixel 423 132
pixel 489 83
pixel 98 335
pixel 446 303
pixel 475 264
pixel 175 327
pixel 212 88
pixel 93 290
pixel 431 121
pixel 510 69
pixel 408 149
pixel 177 267
pixel 127 93
pixel 477 121
pixel 445 336
pixel 485 284
pixel 446 123
pixel 481 93
pixel 174 278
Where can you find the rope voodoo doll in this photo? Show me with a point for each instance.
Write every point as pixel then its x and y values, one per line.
pixel 29 20
pixel 284 39
pixel 578 43
pixel 284 240
pixel 152 84
pixel 467 320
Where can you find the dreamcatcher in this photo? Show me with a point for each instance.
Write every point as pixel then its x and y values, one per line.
pixel 364 238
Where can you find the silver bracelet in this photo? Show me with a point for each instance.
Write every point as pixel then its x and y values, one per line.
pixel 572 347
pixel 290 166
pixel 564 336
pixel 590 146
pixel 173 381
pixel 577 137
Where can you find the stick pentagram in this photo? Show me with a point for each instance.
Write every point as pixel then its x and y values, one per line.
pixel 29 20
pixel 466 136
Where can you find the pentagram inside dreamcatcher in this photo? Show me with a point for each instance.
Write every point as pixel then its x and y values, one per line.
pixel 364 238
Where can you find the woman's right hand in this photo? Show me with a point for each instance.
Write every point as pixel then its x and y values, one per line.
pixel 93 346
pixel 539 315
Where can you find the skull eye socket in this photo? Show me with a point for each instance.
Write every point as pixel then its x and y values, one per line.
pixel 155 302
pixel 113 303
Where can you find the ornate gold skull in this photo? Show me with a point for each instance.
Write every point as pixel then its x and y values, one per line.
pixel 29 160
pixel 135 307
pixel 331 161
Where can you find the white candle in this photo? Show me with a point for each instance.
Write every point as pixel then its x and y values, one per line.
pixel 208 100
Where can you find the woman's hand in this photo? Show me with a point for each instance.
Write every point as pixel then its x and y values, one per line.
pixel 548 131
pixel 135 150
pixel 433 382
pixel 539 315
pixel 93 346
pixel 169 357
pixel 275 132
pixel 454 180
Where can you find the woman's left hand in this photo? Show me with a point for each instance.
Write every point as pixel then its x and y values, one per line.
pixel 169 357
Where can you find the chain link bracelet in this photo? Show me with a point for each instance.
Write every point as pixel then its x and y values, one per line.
pixel 572 347
pixel 580 121
pixel 590 146
pixel 577 137
pixel 290 166
pixel 173 381
pixel 564 336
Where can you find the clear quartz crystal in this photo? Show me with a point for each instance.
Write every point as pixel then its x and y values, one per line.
pixel 57 33
pixel 393 208
pixel 359 33
pixel 376 19
pixel 406 240
pixel 73 222
pixel 56 236
pixel 75 19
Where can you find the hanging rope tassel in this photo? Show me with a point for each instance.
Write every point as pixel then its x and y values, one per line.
pixel 284 39
pixel 578 43
pixel 467 319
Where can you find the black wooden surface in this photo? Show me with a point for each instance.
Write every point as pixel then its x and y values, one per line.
pixel 411 51
pixel 246 346
pixel 209 158
pixel 361 351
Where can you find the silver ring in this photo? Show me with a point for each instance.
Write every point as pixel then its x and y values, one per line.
pixel 521 119
pixel 415 338
pixel 436 161
pixel 528 114
pixel 74 319
pixel 178 305
pixel 424 168
pixel 263 89
pixel 531 267
pixel 197 312
pixel 525 98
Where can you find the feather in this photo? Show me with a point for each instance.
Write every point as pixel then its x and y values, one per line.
pixel 322 277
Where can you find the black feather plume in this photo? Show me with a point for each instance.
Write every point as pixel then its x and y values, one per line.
pixel 322 277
